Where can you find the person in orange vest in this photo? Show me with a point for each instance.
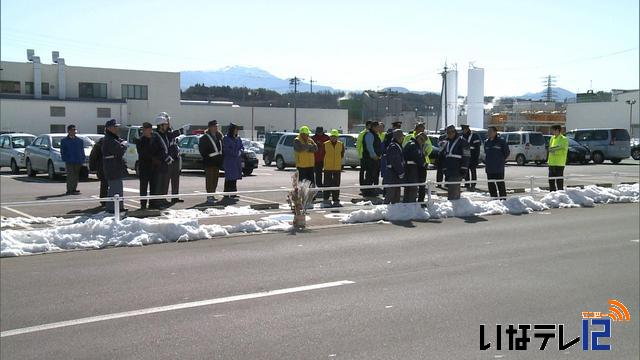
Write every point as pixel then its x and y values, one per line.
pixel 332 166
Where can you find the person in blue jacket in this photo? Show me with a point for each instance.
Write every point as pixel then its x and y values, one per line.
pixel 232 159
pixel 72 153
pixel 395 173
pixel 496 153
pixel 415 165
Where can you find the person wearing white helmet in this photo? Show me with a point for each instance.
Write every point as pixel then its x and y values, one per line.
pixel 168 155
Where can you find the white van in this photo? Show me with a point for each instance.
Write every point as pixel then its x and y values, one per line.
pixel 525 146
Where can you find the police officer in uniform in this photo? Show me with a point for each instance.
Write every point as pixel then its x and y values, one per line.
pixel 474 145
pixel 454 157
pixel 415 166
pixel 395 172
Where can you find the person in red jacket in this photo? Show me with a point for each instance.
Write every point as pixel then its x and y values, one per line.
pixel 319 138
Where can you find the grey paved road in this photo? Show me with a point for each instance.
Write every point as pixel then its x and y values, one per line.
pixel 420 291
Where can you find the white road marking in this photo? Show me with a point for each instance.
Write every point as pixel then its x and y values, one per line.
pixel 153 310
pixel 636 240
pixel 263 201
pixel 126 189
pixel 18 212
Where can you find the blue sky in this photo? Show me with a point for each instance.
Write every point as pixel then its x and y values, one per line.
pixel 344 44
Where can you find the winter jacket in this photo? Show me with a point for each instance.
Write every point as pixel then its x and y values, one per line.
pixel 454 157
pixel 372 145
pixel 333 155
pixel 496 152
pixel 144 146
pixel 305 152
pixel 210 147
pixel 394 173
pixel 95 159
pixel 319 140
pixel 558 149
pixel 170 143
pixel 427 148
pixel 72 150
pixel 360 142
pixel 160 158
pixel 113 150
pixel 474 146
pixel 232 157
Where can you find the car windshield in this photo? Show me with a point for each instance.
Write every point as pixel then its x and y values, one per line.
pixel 536 139
pixel 21 142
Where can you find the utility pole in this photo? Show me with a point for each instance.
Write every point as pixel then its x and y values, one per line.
pixel 295 81
pixel 631 102
pixel 311 84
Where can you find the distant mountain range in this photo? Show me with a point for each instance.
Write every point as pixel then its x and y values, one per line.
pixel 559 94
pixel 239 76
pixel 254 78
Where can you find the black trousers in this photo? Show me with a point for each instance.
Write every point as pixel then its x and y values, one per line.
pixel 411 192
pixel 453 190
pixel 104 188
pixel 439 174
pixel 230 186
pixel 557 184
pixel 371 176
pixel 422 190
pixel 472 175
pixel 306 174
pixel 318 172
pixel 497 188
pixel 147 182
pixel 158 186
pixel 332 179
pixel 361 175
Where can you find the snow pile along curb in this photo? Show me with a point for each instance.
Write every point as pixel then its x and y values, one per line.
pixel 572 197
pixel 100 233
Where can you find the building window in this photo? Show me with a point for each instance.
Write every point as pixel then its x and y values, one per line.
pixel 57 128
pixel 28 88
pixel 104 112
pixel 57 111
pixel 100 129
pixel 92 90
pixel 10 87
pixel 138 92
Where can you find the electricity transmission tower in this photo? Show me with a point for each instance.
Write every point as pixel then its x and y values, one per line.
pixel 549 82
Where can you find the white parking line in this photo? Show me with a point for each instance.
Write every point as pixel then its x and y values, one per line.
pixel 18 212
pixel 126 189
pixel 153 310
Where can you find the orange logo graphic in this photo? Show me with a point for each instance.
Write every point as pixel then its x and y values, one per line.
pixel 617 312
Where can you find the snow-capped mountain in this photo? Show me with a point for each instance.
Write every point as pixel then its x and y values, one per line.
pixel 238 76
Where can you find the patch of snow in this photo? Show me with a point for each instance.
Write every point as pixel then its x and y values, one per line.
pixel 197 213
pixel 100 233
pixel 282 218
pixel 13 222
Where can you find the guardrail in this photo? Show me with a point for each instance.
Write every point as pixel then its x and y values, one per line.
pixel 429 184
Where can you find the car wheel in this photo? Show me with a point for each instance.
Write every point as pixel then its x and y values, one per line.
pixel 247 172
pixel 598 158
pixel 267 160
pixel 520 159
pixel 280 163
pixel 30 171
pixel 635 154
pixel 616 161
pixel 14 167
pixel 51 171
pixel 538 163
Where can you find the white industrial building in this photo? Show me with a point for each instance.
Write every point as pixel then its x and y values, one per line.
pixel 88 97
pixel 621 112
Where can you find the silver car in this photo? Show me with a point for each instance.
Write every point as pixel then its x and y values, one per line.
pixel 12 148
pixel 43 155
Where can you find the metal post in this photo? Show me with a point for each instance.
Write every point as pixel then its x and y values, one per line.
pixel 116 207
pixel 531 183
pixel 429 192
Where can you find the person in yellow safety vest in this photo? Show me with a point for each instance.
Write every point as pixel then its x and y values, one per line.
pixel 305 148
pixel 557 159
pixel 360 148
pixel 333 155
pixel 427 147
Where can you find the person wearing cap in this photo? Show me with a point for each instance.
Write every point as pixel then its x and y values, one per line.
pixel 557 159
pixel 359 147
pixel 496 153
pixel 395 172
pixel 454 157
pixel 474 146
pixel 371 154
pixel 232 149
pixel 427 148
pixel 415 165
pixel 210 147
pixel 388 137
pixel 144 146
pixel 305 148
pixel 332 165
pixel 319 138
pixel 95 164
pixel 114 166
pixel 72 153
pixel 169 151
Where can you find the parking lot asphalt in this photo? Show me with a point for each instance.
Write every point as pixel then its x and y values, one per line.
pixel 16 188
